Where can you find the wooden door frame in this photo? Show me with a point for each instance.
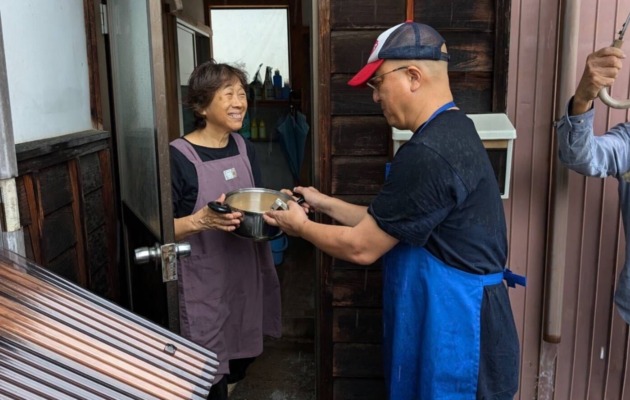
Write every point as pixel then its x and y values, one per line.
pixel 322 177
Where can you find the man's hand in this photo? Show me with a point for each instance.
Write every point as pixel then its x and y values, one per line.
pixel 600 71
pixel 290 221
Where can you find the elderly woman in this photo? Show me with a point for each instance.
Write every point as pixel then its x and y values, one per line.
pixel 229 293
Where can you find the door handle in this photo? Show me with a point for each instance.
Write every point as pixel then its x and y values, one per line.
pixel 167 254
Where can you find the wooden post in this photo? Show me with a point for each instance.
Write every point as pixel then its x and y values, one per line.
pixel 409 10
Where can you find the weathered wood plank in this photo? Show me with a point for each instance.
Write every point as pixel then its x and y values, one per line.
pixel 40 154
pixel 467 15
pixel 501 56
pixel 97 259
pixel 357 360
pixel 39 148
pixel 94 212
pixel 79 225
pixel 55 191
pixel 65 265
pixel 110 208
pixel 25 212
pixel 348 100
pixel 470 51
pixel 357 325
pixel 350 50
pixel 58 233
pixel 360 136
pixel 37 219
pixel 357 288
pixel 472 91
pixel 91 178
pixel 357 175
pixel 360 13
pixel 359 389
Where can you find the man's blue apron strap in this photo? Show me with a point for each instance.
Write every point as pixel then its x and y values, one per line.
pixel 513 279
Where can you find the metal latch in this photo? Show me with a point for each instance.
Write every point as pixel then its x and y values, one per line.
pixel 167 254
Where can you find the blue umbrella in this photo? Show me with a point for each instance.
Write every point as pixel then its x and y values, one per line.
pixel 292 131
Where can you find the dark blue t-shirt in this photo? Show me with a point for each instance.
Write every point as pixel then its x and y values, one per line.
pixel 441 193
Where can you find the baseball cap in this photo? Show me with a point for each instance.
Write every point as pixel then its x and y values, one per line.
pixel 407 41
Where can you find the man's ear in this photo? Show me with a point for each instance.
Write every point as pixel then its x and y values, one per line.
pixel 415 75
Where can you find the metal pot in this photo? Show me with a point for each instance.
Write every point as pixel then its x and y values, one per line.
pixel 252 203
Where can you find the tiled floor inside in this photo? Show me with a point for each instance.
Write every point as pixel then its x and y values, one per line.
pixel 285 371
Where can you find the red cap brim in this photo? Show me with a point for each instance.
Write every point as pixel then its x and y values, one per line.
pixel 365 73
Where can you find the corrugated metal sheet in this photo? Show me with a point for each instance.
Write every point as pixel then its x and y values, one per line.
pixel 59 341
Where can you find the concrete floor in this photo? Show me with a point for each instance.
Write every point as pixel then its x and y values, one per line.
pixel 284 371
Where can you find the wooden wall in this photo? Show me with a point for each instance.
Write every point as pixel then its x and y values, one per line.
pixel 355 144
pixel 67 209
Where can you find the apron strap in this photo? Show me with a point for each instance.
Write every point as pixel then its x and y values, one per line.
pixel 510 278
pixel 513 279
pixel 491 279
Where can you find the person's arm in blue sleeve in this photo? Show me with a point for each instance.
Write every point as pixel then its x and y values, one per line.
pixel 578 148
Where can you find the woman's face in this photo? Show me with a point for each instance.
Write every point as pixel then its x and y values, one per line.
pixel 227 109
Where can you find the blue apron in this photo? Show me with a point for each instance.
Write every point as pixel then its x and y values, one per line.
pixel 431 323
pixel 431 317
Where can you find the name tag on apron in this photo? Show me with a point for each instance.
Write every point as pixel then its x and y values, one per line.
pixel 229 174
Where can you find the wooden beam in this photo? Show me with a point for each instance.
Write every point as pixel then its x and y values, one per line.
pixel 409 10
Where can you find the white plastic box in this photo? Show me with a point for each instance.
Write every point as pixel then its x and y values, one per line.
pixel 497 134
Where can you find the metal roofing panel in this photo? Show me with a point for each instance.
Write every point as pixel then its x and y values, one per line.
pixel 59 341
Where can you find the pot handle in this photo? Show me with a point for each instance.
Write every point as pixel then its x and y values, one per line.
pixel 300 198
pixel 219 207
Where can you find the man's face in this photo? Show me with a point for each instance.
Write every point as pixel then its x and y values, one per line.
pixel 388 85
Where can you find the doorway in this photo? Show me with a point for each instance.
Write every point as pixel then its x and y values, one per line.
pixel 287 366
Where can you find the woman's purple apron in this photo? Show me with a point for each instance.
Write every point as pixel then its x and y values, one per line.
pixel 229 294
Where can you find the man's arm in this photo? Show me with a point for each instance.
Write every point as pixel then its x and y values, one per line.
pixel 578 148
pixel 361 244
pixel 345 213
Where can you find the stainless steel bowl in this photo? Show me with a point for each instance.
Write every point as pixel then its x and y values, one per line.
pixel 253 203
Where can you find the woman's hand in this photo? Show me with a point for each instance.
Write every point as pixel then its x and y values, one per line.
pixel 206 218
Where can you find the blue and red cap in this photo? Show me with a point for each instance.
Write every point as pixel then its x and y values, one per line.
pixel 407 41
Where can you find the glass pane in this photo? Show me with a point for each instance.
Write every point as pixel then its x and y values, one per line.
pixel 265 41
pixel 133 93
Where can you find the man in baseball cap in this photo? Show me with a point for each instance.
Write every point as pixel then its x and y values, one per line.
pixel 437 223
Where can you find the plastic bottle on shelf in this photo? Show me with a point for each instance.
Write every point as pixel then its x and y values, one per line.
pixel 286 90
pixel 268 86
pixel 254 129
pixel 256 86
pixel 262 131
pixel 277 85
pixel 245 130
